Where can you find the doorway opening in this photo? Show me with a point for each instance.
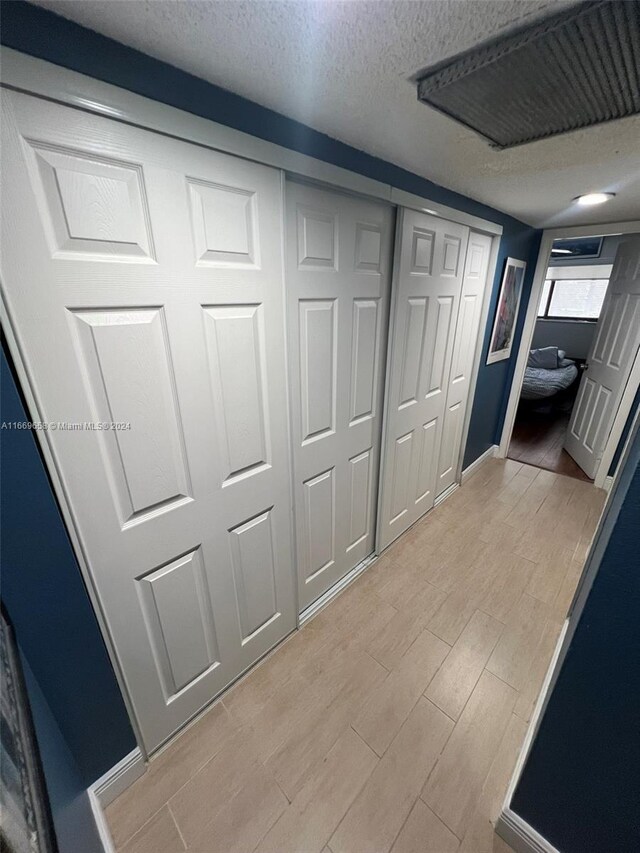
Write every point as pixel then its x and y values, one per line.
pixel 560 416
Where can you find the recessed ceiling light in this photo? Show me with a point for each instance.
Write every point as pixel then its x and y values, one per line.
pixel 593 198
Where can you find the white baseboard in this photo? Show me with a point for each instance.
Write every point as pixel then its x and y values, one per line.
pixel 118 779
pixel 522 837
pixel 337 588
pixel 109 786
pixel 510 826
pixel 608 483
pixel 489 453
pixel 101 823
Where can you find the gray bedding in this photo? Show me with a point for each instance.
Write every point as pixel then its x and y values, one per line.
pixel 540 383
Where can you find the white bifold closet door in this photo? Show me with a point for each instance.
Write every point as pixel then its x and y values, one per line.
pixel 429 262
pixel 464 348
pixel 338 278
pixel 144 280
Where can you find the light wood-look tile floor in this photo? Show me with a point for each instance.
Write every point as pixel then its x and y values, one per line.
pixel 392 721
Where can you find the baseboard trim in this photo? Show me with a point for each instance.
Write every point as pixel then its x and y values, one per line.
pixel 522 837
pixel 608 483
pixel 109 786
pixel 118 779
pixel 100 820
pixel 510 826
pixel 489 453
pixel 336 589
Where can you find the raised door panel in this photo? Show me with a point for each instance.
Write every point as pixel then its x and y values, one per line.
pixel 415 311
pixel 254 557
pixel 451 251
pixel 360 498
pixel 465 338
pixel 318 365
pixel 437 345
pixel 175 601
pixel 224 225
pixel 125 358
pixel 320 523
pixel 369 240
pixel 235 336
pixel 317 239
pixel 450 443
pixel 91 208
pixel 402 456
pixel 364 358
pixel 428 439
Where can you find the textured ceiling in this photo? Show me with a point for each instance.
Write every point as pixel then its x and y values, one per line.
pixel 344 68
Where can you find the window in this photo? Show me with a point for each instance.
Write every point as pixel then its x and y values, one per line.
pixel 572 299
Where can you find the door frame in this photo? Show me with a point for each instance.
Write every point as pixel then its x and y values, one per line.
pixel 601 479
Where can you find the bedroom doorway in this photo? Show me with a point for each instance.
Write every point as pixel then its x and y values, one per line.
pixel 575 321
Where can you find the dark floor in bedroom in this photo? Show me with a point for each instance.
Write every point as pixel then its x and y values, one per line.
pixel 538 438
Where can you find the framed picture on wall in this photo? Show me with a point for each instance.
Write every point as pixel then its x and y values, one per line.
pixel 25 818
pixel 506 318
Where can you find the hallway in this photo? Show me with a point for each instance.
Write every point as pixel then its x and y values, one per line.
pixel 393 719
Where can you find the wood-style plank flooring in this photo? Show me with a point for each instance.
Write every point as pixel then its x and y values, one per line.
pixel 392 721
pixel 538 439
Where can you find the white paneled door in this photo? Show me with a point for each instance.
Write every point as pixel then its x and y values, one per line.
pixel 144 280
pixel 338 278
pixel 464 347
pixel 609 363
pixel 430 255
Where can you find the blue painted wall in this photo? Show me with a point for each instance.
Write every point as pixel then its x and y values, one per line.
pixel 47 602
pixel 580 787
pixel 48 36
pixel 73 820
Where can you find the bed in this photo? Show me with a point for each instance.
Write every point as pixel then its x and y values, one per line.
pixel 547 373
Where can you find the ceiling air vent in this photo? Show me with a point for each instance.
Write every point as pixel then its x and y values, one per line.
pixel 575 69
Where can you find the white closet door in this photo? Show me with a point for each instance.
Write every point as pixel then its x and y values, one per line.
pixel 428 279
pixel 609 363
pixel 144 280
pixel 338 277
pixel 464 347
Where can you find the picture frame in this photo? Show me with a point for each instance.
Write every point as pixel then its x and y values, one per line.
pixel 26 822
pixel 506 316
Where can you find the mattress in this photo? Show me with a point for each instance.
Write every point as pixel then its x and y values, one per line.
pixel 540 383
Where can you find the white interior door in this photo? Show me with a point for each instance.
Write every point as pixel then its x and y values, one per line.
pixel 429 263
pixel 464 347
pixel 144 280
pixel 338 279
pixel 609 363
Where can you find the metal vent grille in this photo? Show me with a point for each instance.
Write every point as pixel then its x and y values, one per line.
pixel 575 69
